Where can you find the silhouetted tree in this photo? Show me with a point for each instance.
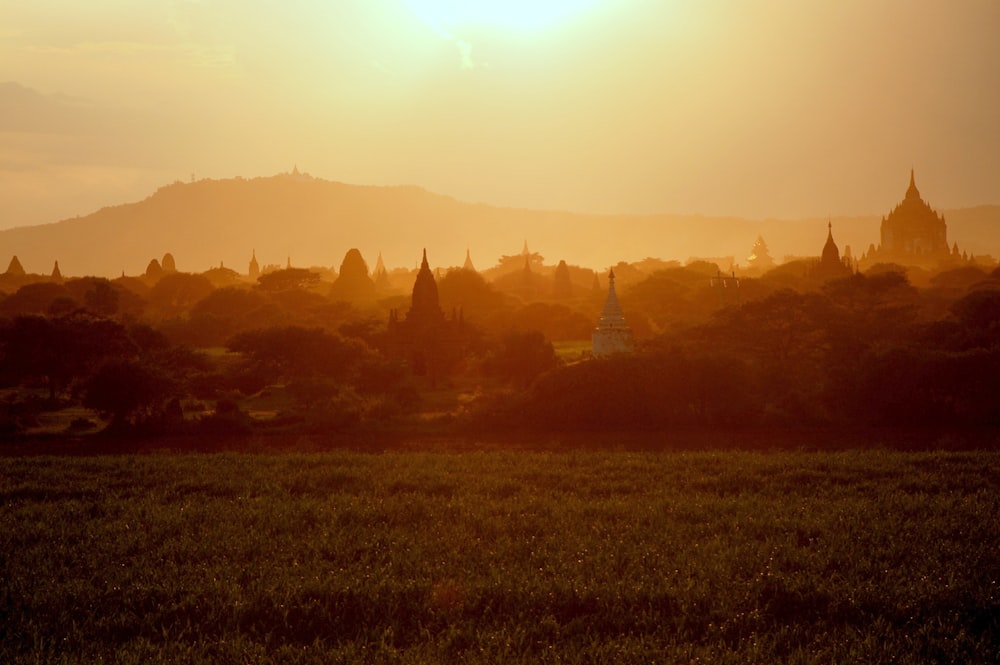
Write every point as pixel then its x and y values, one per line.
pixel 786 339
pixel 522 356
pixel 225 312
pixel 468 290
pixel 556 322
pixel 102 298
pixel 294 352
pixel 760 257
pixel 562 286
pixel 60 350
pixel 34 298
pixel 980 311
pixel 177 292
pixel 126 392
pixel 644 391
pixel 287 279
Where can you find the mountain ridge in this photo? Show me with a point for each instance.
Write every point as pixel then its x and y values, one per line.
pixel 313 222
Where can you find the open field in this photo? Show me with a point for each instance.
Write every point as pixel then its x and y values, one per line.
pixel 730 557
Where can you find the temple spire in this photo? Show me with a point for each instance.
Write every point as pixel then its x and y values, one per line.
pixel 612 334
pixel 424 304
pixel 912 191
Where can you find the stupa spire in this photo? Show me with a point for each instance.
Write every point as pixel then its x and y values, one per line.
pixel 912 192
pixel 612 308
pixel 612 334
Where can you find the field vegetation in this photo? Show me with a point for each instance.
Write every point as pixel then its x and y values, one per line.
pixel 570 557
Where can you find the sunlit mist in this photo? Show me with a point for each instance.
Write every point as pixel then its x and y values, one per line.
pixel 524 14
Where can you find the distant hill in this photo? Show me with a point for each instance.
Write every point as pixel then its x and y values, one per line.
pixel 314 222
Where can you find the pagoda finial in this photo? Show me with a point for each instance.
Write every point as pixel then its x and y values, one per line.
pixel 912 191
pixel 423 262
pixel 525 250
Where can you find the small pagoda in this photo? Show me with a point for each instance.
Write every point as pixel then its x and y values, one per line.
pixel 612 334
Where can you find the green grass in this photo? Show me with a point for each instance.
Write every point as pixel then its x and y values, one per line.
pixel 501 557
pixel 569 351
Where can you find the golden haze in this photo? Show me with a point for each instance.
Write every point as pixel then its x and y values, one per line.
pixel 777 109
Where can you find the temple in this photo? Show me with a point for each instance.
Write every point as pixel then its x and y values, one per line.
pixel 431 343
pixel 15 268
pixel 612 334
pixel 254 268
pixel 425 307
pixel 830 265
pixel 913 233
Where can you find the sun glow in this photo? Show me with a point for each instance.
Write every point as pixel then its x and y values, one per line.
pixel 518 14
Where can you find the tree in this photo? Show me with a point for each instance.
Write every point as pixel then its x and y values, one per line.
pixel 60 350
pixel 177 292
pixel 294 352
pixel 34 298
pixel 555 321
pixel 126 392
pixel 287 279
pixel 522 356
pixel 468 290
pixel 760 257
pixel 102 298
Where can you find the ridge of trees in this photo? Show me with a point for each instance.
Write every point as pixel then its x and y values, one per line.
pixel 180 354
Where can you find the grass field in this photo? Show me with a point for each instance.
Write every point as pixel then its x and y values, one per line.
pixel 735 557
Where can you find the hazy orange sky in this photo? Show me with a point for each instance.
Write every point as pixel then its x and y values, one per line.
pixel 723 107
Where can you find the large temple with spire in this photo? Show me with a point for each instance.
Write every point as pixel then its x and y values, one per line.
pixel 612 334
pixel 913 233
pixel 431 342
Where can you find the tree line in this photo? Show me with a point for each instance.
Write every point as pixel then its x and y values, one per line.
pixel 184 356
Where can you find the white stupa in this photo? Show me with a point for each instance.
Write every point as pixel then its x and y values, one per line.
pixel 612 334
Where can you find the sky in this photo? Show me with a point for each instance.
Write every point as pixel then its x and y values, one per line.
pixel 765 109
